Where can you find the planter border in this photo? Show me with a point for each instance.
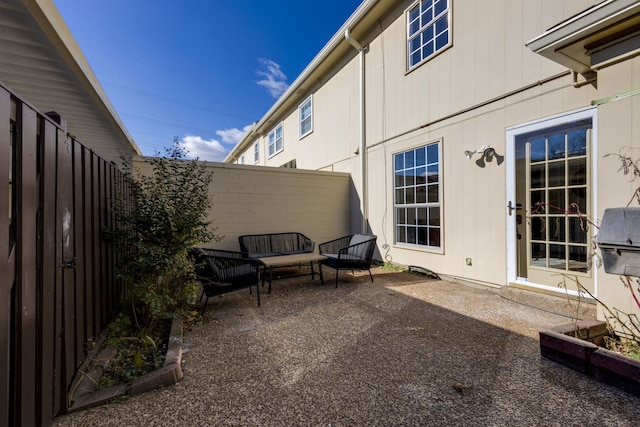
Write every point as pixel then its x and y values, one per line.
pixel 584 354
pixel 170 373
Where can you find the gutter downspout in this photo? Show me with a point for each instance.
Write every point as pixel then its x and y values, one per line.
pixel 362 149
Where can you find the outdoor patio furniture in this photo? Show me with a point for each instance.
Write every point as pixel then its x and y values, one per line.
pixel 352 252
pixel 272 244
pixel 221 272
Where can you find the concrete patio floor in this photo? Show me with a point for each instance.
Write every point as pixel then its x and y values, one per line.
pixel 403 350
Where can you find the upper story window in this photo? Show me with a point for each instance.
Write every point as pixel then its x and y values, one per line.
pixel 428 30
pixel 418 197
pixel 275 141
pixel 305 111
pixel 256 152
pixel 241 160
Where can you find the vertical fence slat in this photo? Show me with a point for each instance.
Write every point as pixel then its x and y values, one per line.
pixel 80 302
pixel 88 243
pixel 60 382
pixel 26 283
pixel 48 272
pixel 5 267
pixel 65 219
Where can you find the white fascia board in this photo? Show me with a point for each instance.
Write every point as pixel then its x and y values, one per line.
pixel 587 23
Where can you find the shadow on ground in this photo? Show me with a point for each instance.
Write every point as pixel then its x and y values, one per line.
pixel 400 351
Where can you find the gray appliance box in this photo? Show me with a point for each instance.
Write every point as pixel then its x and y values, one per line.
pixel 619 241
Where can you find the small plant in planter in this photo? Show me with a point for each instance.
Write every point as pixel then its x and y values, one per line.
pixel 157 222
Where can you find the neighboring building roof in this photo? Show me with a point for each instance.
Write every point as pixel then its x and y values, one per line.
pixel 41 61
pixel 365 16
pixel 601 35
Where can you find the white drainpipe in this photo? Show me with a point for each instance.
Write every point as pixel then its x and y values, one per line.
pixel 362 149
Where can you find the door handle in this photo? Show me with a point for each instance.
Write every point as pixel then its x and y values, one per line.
pixel 511 207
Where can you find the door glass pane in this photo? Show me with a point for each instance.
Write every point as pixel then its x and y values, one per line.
pixel 557 257
pixel 556 146
pixel 539 254
pixel 538 231
pixel 579 197
pixel 537 176
pixel 538 201
pixel 576 232
pixel 557 229
pixel 577 142
pixel 538 150
pixel 556 174
pixel 578 171
pixel 578 258
pixel 556 200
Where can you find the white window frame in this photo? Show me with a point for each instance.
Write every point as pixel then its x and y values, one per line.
pixel 424 33
pixel 309 117
pixel 408 187
pixel 256 152
pixel 275 144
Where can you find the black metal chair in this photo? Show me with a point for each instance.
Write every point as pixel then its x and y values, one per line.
pixel 221 272
pixel 352 252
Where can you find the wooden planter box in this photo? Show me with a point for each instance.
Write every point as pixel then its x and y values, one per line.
pixel 577 345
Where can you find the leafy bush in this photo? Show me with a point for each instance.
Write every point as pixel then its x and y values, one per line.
pixel 157 221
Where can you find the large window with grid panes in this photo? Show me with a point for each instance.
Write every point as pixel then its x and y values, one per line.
pixel 428 30
pixel 418 197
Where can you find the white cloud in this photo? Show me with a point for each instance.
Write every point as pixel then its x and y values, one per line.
pixel 203 149
pixel 234 135
pixel 212 150
pixel 275 81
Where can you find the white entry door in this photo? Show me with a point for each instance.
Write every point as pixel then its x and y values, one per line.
pixel 550 202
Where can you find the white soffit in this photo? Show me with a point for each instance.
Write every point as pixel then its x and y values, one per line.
pixel 572 42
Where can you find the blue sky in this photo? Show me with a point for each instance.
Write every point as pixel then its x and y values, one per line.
pixel 199 70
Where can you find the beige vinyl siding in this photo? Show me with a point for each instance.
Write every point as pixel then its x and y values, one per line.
pixel 619 132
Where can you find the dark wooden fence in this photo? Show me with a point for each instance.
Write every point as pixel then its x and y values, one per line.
pixel 58 288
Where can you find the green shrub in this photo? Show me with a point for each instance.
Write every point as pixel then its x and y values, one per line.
pixel 156 222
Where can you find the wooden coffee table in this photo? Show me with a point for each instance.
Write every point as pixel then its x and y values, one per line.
pixel 285 260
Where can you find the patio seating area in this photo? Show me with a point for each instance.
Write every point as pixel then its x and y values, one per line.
pixel 403 350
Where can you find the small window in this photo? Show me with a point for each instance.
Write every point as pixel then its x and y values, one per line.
pixel 241 161
pixel 275 141
pixel 418 197
pixel 428 30
pixel 256 153
pixel 306 117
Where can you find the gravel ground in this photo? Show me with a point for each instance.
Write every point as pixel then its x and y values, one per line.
pixel 403 350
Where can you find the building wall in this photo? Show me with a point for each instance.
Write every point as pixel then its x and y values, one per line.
pixel 619 133
pixel 255 199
